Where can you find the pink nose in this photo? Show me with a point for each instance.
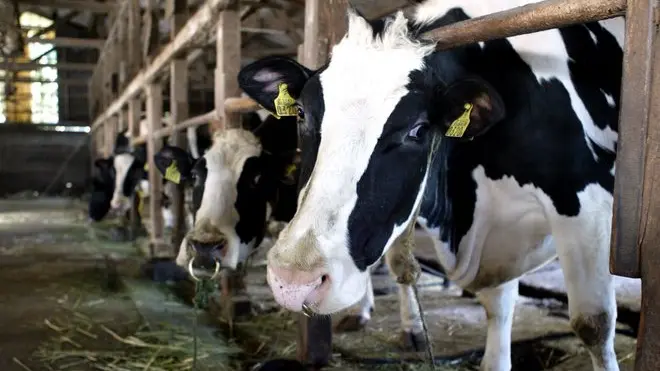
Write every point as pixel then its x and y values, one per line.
pixel 293 288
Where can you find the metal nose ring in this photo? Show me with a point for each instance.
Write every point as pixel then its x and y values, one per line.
pixel 307 310
pixel 192 272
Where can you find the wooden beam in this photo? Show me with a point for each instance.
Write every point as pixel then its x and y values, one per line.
pixel 634 123
pixel 529 18
pixel 29 80
pixel 154 93
pixel 150 30
pixel 82 5
pixel 30 66
pixel 228 64
pixel 69 42
pixel 636 221
pixel 179 85
pixel 134 108
pixel 134 43
pixel 325 23
pixel 205 16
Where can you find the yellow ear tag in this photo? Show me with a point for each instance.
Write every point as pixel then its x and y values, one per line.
pixel 290 169
pixel 285 105
pixel 458 127
pixel 146 167
pixel 172 173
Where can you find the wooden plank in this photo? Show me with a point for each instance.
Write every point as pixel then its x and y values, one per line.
pixel 207 14
pixel 31 66
pixel 178 112
pixel 134 47
pixel 643 53
pixel 312 45
pixel 228 64
pixel 315 333
pixel 150 30
pixel 134 108
pixel 69 42
pixel 633 116
pixel 526 19
pixel 154 93
pixel 91 6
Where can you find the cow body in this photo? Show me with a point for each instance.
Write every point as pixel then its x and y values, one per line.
pixel 530 178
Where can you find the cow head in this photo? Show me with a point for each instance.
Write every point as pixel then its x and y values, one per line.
pixel 129 171
pixel 369 120
pixel 231 184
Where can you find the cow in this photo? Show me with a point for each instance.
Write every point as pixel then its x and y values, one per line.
pixel 507 148
pixel 244 179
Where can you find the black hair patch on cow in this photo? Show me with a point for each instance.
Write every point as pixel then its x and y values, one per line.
pixel 396 168
pixel 251 202
pixel 198 176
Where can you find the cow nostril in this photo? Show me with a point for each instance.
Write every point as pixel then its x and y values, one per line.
pixel 324 278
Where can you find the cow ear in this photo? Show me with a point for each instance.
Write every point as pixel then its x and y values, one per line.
pixel 174 163
pixel 263 80
pixel 470 107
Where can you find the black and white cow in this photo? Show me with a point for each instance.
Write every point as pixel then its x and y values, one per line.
pixel 530 177
pixel 242 180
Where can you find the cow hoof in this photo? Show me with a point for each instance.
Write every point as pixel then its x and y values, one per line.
pixel 413 341
pixel 351 323
pixel 164 270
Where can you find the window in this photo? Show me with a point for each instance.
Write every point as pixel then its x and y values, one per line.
pixel 36 101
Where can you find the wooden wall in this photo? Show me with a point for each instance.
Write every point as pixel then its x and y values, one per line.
pixel 31 157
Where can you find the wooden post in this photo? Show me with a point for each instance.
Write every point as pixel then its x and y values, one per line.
pixel 178 112
pixel 134 47
pixel 122 45
pixel 228 63
pixel 325 24
pixel 134 131
pixel 154 93
pixel 150 30
pixel 636 221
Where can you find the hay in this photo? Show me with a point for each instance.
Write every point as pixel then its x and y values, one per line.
pixel 153 348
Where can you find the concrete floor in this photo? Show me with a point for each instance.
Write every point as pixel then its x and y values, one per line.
pixel 51 270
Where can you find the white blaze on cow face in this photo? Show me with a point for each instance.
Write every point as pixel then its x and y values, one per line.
pixel 366 78
pixel 122 164
pixel 217 216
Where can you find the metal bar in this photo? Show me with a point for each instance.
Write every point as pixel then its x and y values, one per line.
pixel 208 14
pixel 525 19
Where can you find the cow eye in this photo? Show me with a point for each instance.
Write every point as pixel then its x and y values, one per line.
pixel 418 131
pixel 301 113
pixel 255 180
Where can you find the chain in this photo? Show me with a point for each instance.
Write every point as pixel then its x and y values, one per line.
pixel 412 277
pixel 203 289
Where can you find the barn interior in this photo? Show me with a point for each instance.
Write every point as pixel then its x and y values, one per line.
pixel 76 294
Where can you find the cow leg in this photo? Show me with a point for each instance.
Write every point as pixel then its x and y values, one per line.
pixel 584 257
pixel 499 303
pixel 361 315
pixel 412 331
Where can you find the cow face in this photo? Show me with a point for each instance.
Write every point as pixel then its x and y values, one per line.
pixel 129 172
pixel 370 119
pixel 228 198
